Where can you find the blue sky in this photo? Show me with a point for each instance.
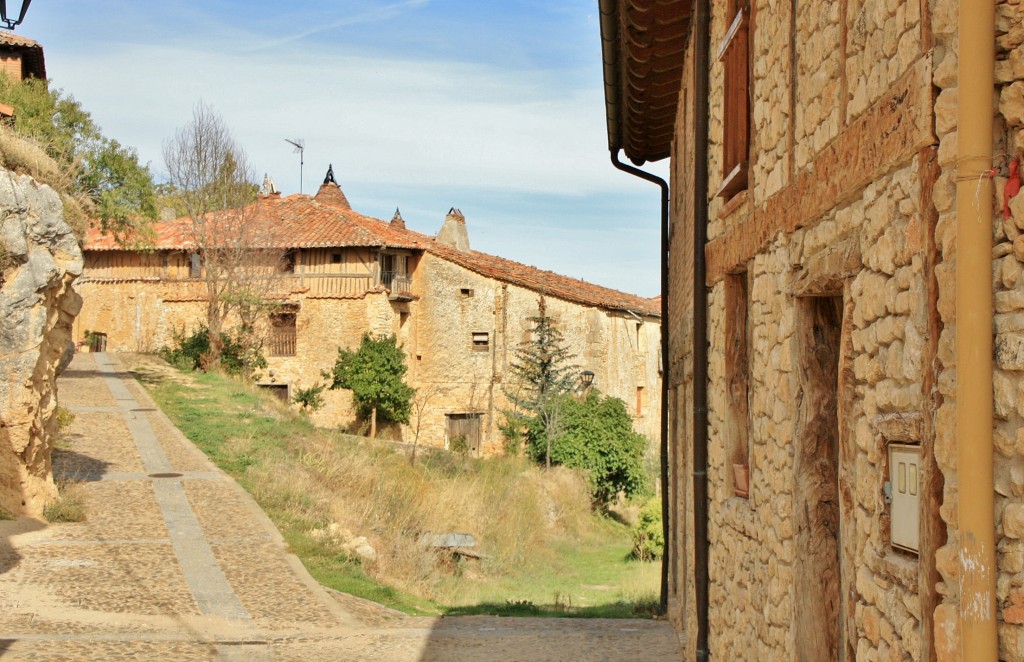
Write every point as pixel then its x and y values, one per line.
pixel 494 107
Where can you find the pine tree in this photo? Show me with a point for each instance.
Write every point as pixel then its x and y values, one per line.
pixel 541 371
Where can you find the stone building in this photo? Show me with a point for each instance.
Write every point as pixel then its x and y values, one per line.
pixel 459 314
pixel 845 319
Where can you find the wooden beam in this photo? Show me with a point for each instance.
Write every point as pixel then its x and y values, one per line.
pixel 886 136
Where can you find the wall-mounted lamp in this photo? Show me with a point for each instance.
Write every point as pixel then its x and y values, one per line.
pixel 586 379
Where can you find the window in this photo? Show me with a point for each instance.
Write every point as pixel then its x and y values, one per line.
pixel 335 258
pixel 734 55
pixel 195 269
pixel 288 262
pixel 282 334
pixel 737 371
pixel 639 401
pixel 481 340
pixel 466 292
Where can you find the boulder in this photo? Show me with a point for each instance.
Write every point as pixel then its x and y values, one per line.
pixel 41 257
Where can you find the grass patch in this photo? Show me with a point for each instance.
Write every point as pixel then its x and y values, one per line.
pixel 69 506
pixel 543 552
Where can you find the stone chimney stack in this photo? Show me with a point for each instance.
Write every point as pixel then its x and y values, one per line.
pixel 453 232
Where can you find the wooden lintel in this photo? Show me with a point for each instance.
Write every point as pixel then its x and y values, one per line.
pixel 900 426
pixel 823 273
pixel 887 135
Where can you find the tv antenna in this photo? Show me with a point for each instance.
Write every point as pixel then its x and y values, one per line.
pixel 300 146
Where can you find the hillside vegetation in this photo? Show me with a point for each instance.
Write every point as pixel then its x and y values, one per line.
pixel 542 550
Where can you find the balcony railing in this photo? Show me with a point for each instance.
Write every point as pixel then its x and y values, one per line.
pixel 280 286
pixel 399 284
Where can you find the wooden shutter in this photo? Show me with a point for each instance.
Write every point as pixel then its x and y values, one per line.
pixel 734 53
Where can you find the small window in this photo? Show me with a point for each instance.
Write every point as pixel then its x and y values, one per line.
pixel 639 401
pixel 335 258
pixel 466 292
pixel 282 334
pixel 288 262
pixel 734 54
pixel 481 340
pixel 195 265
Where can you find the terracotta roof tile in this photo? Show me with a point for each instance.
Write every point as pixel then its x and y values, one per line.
pixel 303 222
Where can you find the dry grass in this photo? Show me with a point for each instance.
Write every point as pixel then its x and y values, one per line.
pixel 69 506
pixel 325 490
pixel 26 157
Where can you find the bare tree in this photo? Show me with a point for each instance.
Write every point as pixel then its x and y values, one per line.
pixel 420 402
pixel 239 253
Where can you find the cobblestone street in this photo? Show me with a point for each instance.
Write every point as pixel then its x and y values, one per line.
pixel 176 562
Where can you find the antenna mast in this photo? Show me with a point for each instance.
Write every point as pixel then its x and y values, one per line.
pixel 300 146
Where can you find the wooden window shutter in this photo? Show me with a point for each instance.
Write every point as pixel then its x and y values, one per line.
pixel 734 53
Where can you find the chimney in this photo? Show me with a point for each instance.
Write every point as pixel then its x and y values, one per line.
pixel 330 192
pixel 453 232
pixel 397 221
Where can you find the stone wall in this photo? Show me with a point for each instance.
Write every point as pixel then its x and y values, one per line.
pixel 435 330
pixel 39 260
pixel 871 253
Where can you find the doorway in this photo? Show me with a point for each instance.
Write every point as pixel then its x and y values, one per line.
pixel 816 504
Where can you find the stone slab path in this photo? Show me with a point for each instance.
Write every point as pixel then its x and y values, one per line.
pixel 176 562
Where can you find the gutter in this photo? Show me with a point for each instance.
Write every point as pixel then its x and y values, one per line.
pixel 974 324
pixel 702 65
pixel 636 172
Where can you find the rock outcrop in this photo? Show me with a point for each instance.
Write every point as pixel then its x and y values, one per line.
pixel 39 259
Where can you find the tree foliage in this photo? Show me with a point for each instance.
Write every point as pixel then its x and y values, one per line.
pixel 107 173
pixel 596 435
pixel 375 374
pixel 541 371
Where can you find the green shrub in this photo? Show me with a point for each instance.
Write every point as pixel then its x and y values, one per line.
pixel 188 352
pixel 310 399
pixel 458 445
pixel 648 534
pixel 594 433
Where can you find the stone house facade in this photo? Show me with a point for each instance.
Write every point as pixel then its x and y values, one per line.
pixel 845 311
pixel 459 314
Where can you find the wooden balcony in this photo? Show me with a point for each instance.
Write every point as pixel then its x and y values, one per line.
pixel 399 285
pixel 280 286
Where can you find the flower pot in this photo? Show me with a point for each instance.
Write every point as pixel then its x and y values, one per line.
pixel 741 480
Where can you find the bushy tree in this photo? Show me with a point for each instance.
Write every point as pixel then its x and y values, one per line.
pixel 541 371
pixel 595 435
pixel 107 173
pixel 374 373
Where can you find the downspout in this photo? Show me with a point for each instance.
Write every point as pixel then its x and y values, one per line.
pixel 701 547
pixel 664 357
pixel 974 323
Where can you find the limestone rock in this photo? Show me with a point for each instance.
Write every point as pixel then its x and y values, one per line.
pixel 37 307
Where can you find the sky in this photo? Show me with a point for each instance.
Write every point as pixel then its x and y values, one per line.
pixel 495 107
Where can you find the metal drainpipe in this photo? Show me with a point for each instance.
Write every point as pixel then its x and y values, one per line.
pixel 664 358
pixel 701 64
pixel 974 321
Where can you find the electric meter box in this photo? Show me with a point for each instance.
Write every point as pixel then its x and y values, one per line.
pixel 905 477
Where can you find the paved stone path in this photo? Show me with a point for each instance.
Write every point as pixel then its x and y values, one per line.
pixel 176 562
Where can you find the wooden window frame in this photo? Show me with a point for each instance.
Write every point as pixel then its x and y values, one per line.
pixel 734 53
pixel 737 370
pixel 283 338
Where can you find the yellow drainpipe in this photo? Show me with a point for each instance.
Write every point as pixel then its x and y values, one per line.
pixel 974 331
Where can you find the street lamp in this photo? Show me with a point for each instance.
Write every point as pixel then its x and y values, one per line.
pixel 9 23
pixel 586 379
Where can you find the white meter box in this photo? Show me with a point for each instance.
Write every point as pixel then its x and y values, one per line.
pixel 905 477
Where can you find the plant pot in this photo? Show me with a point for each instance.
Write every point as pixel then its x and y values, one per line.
pixel 741 480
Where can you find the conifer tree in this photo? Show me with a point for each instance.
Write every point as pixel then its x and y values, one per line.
pixel 541 371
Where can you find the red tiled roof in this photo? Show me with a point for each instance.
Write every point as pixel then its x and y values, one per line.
pixel 33 62
pixel 643 44
pixel 300 221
